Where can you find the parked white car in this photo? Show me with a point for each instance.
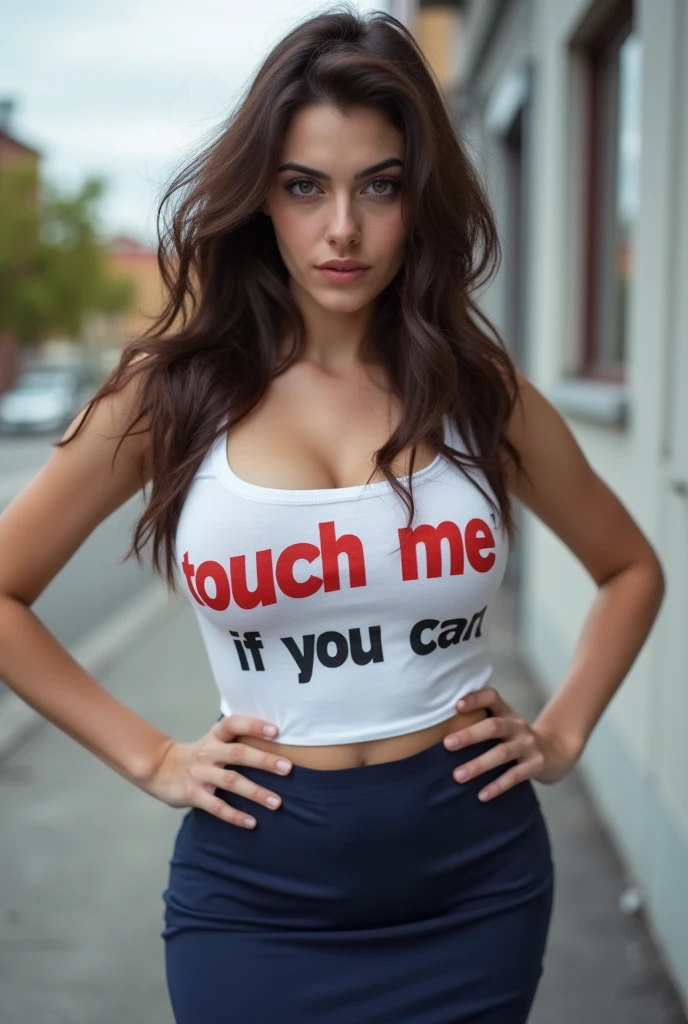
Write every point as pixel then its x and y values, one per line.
pixel 44 398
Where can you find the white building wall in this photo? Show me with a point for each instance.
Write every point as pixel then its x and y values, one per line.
pixel 636 761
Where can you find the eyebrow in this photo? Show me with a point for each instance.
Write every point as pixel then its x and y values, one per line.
pixel 393 161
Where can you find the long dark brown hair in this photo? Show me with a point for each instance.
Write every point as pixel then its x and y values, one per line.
pixel 212 351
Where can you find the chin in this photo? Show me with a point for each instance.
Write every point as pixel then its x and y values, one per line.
pixel 346 307
pixel 342 303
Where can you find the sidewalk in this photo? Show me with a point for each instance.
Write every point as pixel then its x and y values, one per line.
pixel 600 965
pixel 85 855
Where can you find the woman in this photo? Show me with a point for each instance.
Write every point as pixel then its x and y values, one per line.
pixel 346 609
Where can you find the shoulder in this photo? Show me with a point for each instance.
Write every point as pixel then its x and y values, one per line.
pixel 129 405
pixel 528 429
pixel 557 483
pixel 549 453
pixel 539 433
pixel 103 421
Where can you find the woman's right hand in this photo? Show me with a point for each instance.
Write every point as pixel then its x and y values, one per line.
pixel 188 773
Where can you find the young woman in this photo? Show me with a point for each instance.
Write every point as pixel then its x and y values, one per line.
pixel 333 441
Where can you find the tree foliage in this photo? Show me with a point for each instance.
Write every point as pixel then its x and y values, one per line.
pixel 53 266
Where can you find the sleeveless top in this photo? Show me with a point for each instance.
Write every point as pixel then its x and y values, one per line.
pixel 322 613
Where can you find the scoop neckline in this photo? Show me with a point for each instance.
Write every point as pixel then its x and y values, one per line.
pixel 315 495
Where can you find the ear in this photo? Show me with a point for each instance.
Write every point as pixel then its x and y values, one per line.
pixel 265 209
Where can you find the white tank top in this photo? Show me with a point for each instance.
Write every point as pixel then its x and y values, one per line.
pixel 321 613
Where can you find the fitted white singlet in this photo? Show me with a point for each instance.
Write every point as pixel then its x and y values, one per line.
pixel 319 610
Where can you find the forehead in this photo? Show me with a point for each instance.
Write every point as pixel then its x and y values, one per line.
pixel 328 138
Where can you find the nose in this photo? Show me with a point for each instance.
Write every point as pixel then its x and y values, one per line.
pixel 343 227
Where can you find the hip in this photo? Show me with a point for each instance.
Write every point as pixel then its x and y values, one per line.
pixel 362 846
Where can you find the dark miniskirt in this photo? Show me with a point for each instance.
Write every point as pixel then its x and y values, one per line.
pixel 380 894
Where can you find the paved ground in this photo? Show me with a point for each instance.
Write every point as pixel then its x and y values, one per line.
pixel 601 966
pixel 84 862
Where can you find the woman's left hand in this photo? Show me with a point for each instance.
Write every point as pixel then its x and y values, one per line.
pixel 539 755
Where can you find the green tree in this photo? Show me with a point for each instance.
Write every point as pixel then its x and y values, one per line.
pixel 53 265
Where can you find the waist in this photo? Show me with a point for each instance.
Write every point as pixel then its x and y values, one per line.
pixel 367 752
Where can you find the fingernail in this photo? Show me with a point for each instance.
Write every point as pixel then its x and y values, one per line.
pixel 249 822
pixel 452 742
pixel 272 801
pixel 461 704
pixel 283 766
pixel 461 774
pixel 269 730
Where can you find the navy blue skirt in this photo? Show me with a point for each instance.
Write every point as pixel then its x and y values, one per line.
pixel 380 894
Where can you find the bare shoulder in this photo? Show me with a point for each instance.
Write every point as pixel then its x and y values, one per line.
pixel 78 486
pixel 96 434
pixel 559 485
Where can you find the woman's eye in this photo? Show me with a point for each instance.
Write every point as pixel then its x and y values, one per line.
pixel 299 181
pixel 386 181
pixel 311 186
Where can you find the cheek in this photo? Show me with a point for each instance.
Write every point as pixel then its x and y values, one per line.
pixel 294 232
pixel 390 237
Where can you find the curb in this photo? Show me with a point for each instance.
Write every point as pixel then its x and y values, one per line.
pixel 98 651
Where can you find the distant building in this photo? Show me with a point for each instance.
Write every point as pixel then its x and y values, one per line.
pixel 127 257
pixel 11 149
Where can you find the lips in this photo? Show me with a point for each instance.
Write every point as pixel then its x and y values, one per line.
pixel 343 265
pixel 342 277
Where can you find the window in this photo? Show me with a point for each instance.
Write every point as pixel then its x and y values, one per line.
pixel 613 68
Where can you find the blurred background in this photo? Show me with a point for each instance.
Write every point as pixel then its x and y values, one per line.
pixel 576 114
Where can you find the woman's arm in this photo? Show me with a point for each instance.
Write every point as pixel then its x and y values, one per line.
pixel 77 488
pixel 571 499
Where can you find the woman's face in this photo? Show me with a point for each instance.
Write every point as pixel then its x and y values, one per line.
pixel 334 207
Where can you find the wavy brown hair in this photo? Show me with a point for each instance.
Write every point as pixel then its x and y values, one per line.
pixel 212 351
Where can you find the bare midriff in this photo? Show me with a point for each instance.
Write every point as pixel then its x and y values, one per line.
pixel 352 755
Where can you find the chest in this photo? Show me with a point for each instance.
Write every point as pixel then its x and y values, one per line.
pixel 302 562
pixel 316 434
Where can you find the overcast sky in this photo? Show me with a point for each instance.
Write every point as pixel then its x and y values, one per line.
pixel 124 89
